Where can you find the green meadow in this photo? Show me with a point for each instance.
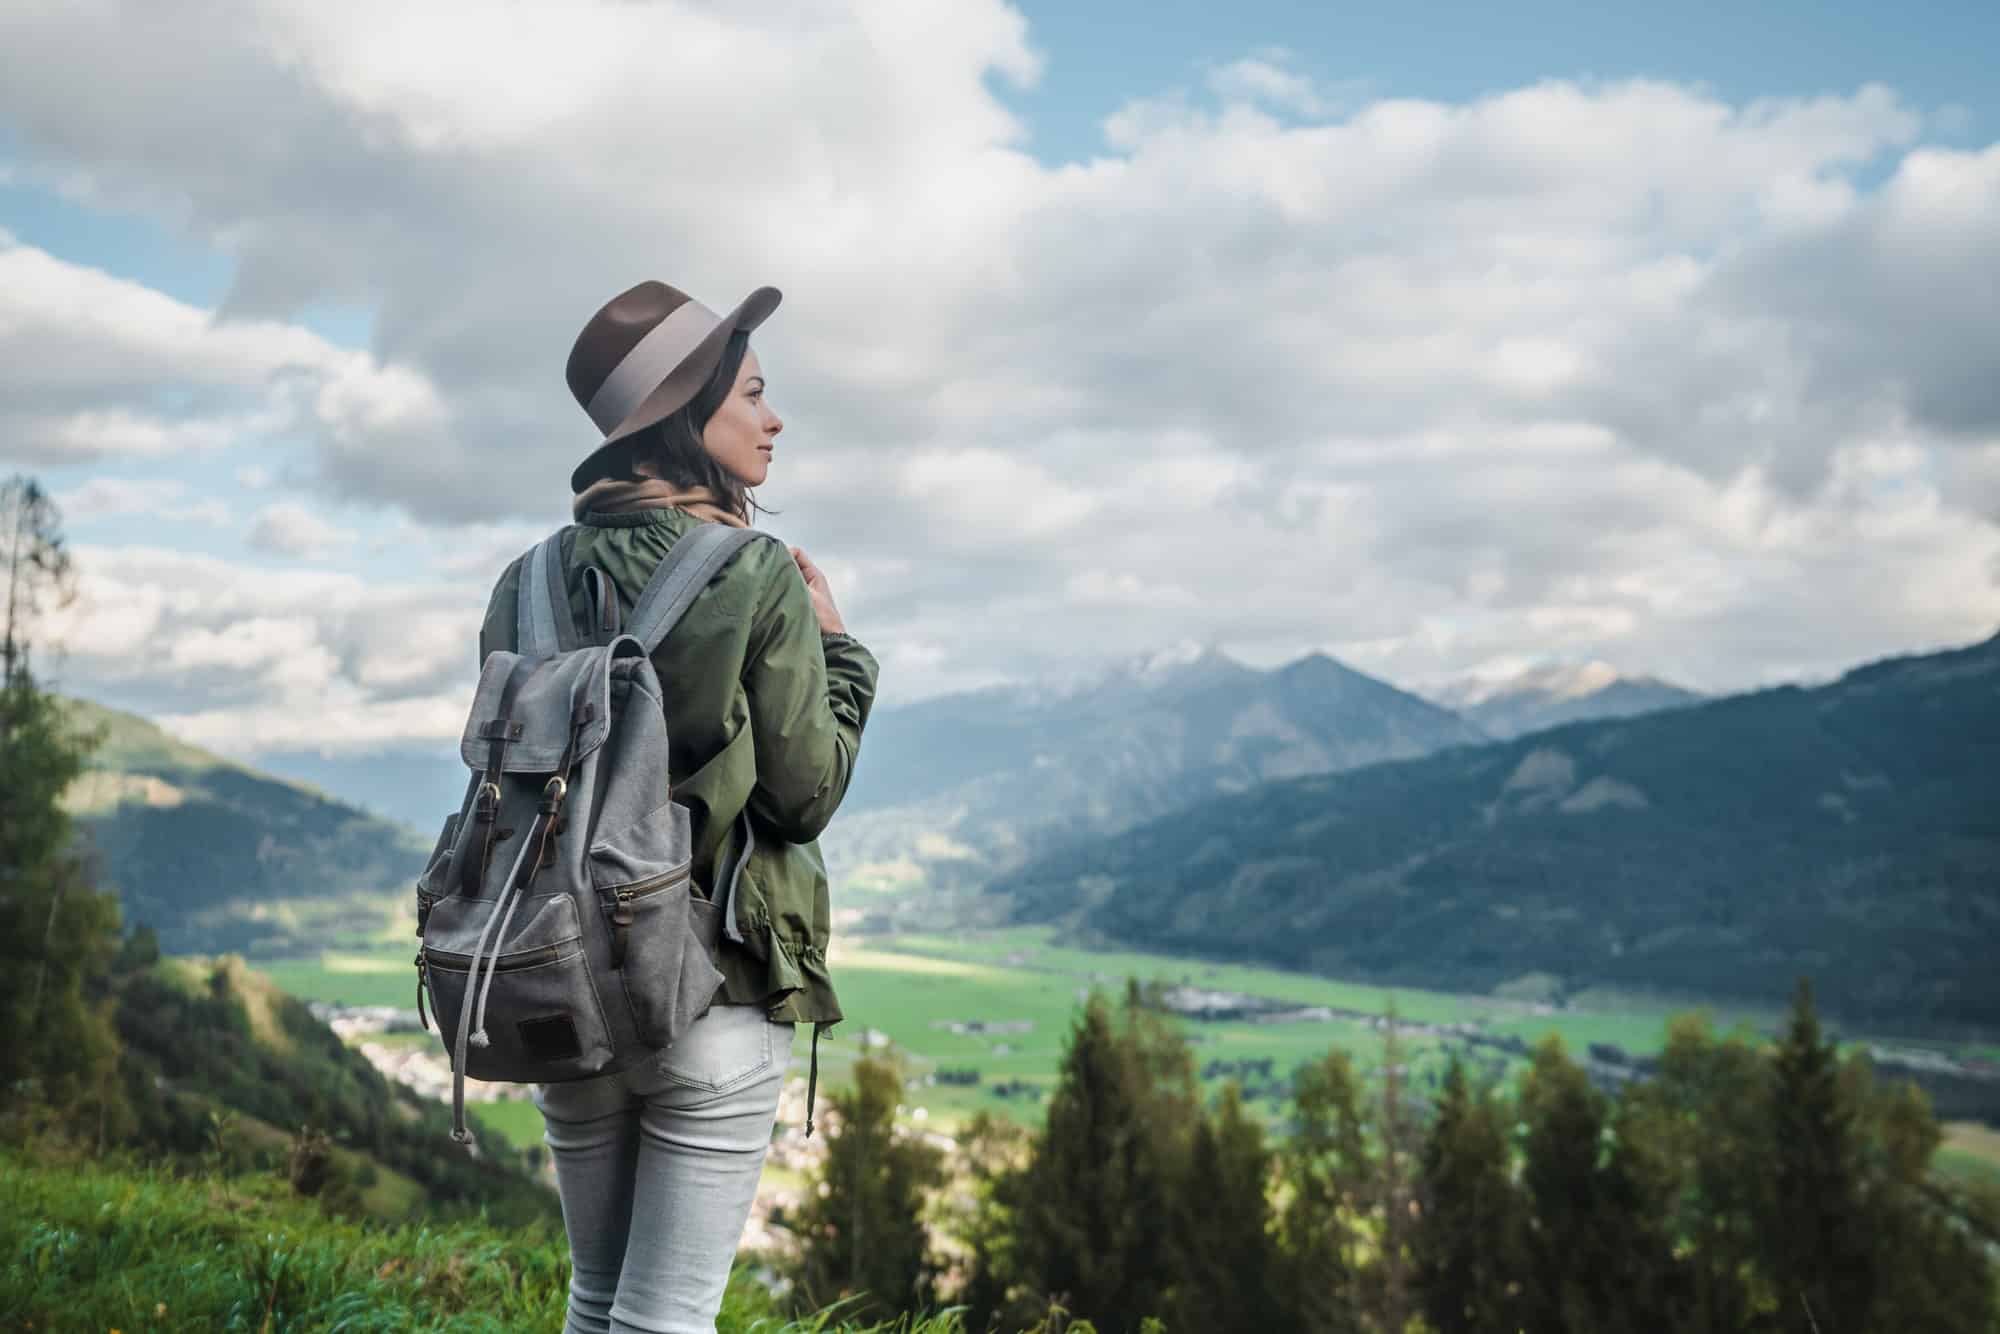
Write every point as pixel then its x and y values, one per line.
pixel 905 993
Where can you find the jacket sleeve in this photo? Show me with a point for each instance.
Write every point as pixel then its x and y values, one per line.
pixel 809 694
pixel 496 629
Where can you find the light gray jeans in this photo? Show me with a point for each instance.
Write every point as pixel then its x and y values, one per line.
pixel 657 1167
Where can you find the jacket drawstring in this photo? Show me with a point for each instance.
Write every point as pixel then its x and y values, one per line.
pixel 812 1078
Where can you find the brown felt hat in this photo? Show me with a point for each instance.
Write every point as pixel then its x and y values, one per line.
pixel 645 354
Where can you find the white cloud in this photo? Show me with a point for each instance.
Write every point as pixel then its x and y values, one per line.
pixel 1618 369
pixel 1265 78
pixel 94 366
pixel 288 528
pixel 118 497
pixel 247 660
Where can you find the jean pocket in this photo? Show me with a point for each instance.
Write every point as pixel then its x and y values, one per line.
pixel 726 1048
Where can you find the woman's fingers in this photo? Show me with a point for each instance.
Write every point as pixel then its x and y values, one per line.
pixel 821 590
pixel 806 567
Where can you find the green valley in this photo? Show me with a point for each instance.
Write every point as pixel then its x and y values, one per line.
pixel 997 1005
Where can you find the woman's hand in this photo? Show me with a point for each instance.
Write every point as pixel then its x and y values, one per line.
pixel 822 593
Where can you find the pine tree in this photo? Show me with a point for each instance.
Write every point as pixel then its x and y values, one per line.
pixel 1324 1170
pixel 1822 1265
pixel 1388 1291
pixel 1470 1235
pixel 1089 1219
pixel 58 933
pixel 861 1232
pixel 1225 1251
pixel 1597 1251
pixel 1702 1119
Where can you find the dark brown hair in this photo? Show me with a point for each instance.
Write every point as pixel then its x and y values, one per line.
pixel 673 447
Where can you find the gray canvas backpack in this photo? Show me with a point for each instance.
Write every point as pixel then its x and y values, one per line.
pixel 562 937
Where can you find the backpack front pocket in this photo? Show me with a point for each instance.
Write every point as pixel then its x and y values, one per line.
pixel 542 1018
pixel 661 933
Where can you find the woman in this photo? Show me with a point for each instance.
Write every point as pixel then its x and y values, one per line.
pixel 766 696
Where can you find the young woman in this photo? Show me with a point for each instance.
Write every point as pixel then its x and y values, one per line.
pixel 766 696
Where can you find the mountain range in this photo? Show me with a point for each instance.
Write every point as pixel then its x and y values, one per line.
pixel 1849 831
pixel 1555 693
pixel 217 856
pixel 953 791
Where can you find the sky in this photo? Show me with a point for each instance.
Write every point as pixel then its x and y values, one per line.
pixel 1446 339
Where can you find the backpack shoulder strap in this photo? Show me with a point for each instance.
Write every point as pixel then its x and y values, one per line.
pixel 545 625
pixel 690 564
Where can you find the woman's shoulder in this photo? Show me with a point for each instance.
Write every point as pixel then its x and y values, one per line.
pixel 765 564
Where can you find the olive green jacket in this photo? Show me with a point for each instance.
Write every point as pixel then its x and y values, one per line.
pixel 763 709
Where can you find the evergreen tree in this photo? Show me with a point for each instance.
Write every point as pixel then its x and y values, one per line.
pixel 861 1231
pixel 1597 1254
pixel 1471 1231
pixel 1324 1168
pixel 1387 1287
pixel 1224 1270
pixel 1703 1119
pixel 1090 1217
pixel 1821 1263
pixel 58 933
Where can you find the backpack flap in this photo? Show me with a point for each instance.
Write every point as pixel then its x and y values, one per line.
pixel 525 710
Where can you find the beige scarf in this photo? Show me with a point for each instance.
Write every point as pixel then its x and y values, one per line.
pixel 611 495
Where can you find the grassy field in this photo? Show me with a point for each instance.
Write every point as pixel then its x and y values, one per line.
pixel 122 1244
pixel 907 992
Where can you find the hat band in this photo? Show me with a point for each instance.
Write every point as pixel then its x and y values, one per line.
pixel 651 360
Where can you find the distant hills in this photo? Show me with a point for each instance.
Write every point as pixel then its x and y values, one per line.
pixel 956 789
pixel 216 856
pixel 1557 693
pixel 1849 831
pixel 1128 740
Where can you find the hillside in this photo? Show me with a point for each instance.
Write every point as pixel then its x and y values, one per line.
pixel 1849 831
pixel 216 856
pixel 121 1244
pixel 205 1037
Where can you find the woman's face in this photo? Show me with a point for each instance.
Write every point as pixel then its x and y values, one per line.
pixel 740 435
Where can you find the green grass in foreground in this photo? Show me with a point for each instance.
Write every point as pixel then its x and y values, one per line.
pixel 106 1245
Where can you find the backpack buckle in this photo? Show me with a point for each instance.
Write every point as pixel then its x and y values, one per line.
pixel 487 804
pixel 553 794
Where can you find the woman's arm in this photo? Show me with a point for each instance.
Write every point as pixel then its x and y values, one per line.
pixel 810 691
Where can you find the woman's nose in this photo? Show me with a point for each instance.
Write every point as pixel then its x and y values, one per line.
pixel 776 425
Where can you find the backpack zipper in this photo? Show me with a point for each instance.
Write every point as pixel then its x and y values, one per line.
pixel 621 914
pixel 525 959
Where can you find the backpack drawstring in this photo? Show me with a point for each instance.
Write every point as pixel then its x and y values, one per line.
pixel 472 984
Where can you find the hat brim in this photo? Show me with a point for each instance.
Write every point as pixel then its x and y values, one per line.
pixel 682 383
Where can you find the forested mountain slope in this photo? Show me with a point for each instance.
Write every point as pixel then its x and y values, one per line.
pixel 1849 831
pixel 216 856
